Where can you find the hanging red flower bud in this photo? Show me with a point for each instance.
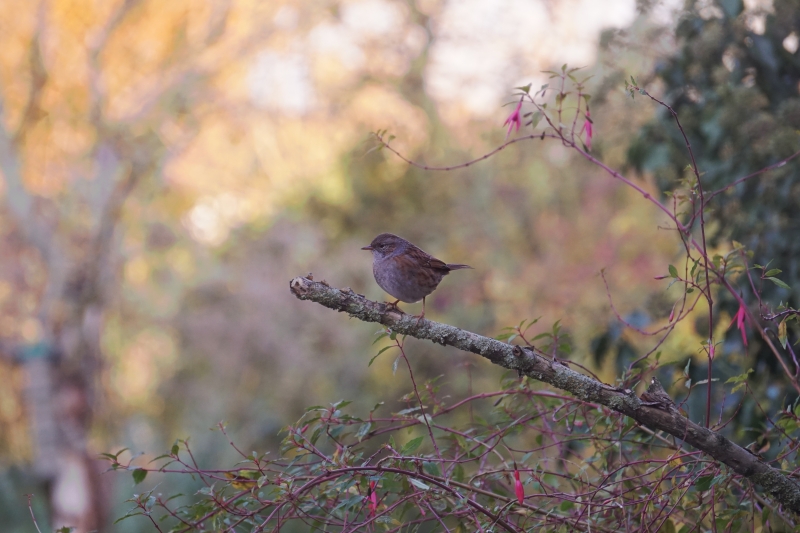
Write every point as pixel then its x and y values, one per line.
pixel 514 121
pixel 518 488
pixel 740 318
pixel 373 498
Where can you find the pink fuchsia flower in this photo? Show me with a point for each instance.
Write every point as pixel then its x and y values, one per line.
pixel 587 127
pixel 373 499
pixel 518 487
pixel 740 318
pixel 514 121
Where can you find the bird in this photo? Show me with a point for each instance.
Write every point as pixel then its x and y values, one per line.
pixel 405 271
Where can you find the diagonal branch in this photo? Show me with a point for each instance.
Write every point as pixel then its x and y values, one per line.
pixel 532 364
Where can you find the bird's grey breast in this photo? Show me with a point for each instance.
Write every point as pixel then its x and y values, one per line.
pixel 405 280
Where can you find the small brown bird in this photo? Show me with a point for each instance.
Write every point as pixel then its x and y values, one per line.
pixel 405 271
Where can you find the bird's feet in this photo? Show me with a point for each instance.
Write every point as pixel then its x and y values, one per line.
pixel 395 306
pixel 422 314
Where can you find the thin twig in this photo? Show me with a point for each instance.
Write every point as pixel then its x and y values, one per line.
pixel 419 399
pixel 33 517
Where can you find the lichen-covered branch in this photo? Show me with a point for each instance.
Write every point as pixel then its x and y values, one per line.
pixel 542 368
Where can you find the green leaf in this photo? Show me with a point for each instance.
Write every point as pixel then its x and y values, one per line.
pixel 431 468
pixel 380 352
pixel 782 335
pixel 531 322
pixel 703 483
pixel 382 335
pixel 394 365
pixel 535 119
pixel 773 272
pixel 458 473
pixel 411 446
pixel 741 378
pixel 694 267
pixel 350 502
pixel 175 449
pixel 138 475
pixel 673 271
pixel 117 521
pixel 363 430
pixel 419 484
pixel 778 282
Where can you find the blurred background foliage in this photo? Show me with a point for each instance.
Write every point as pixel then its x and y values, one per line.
pixel 250 123
pixel 734 79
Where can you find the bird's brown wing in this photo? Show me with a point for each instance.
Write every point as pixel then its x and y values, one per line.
pixel 436 264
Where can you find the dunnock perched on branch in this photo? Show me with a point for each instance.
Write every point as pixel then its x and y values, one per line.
pixel 405 271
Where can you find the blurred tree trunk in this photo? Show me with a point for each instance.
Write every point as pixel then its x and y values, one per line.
pixel 78 244
pixel 61 366
pixel 64 357
pixel 63 363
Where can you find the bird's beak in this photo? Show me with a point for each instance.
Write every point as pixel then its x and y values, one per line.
pixel 367 248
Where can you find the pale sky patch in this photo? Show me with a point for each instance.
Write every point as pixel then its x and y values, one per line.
pixel 484 48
